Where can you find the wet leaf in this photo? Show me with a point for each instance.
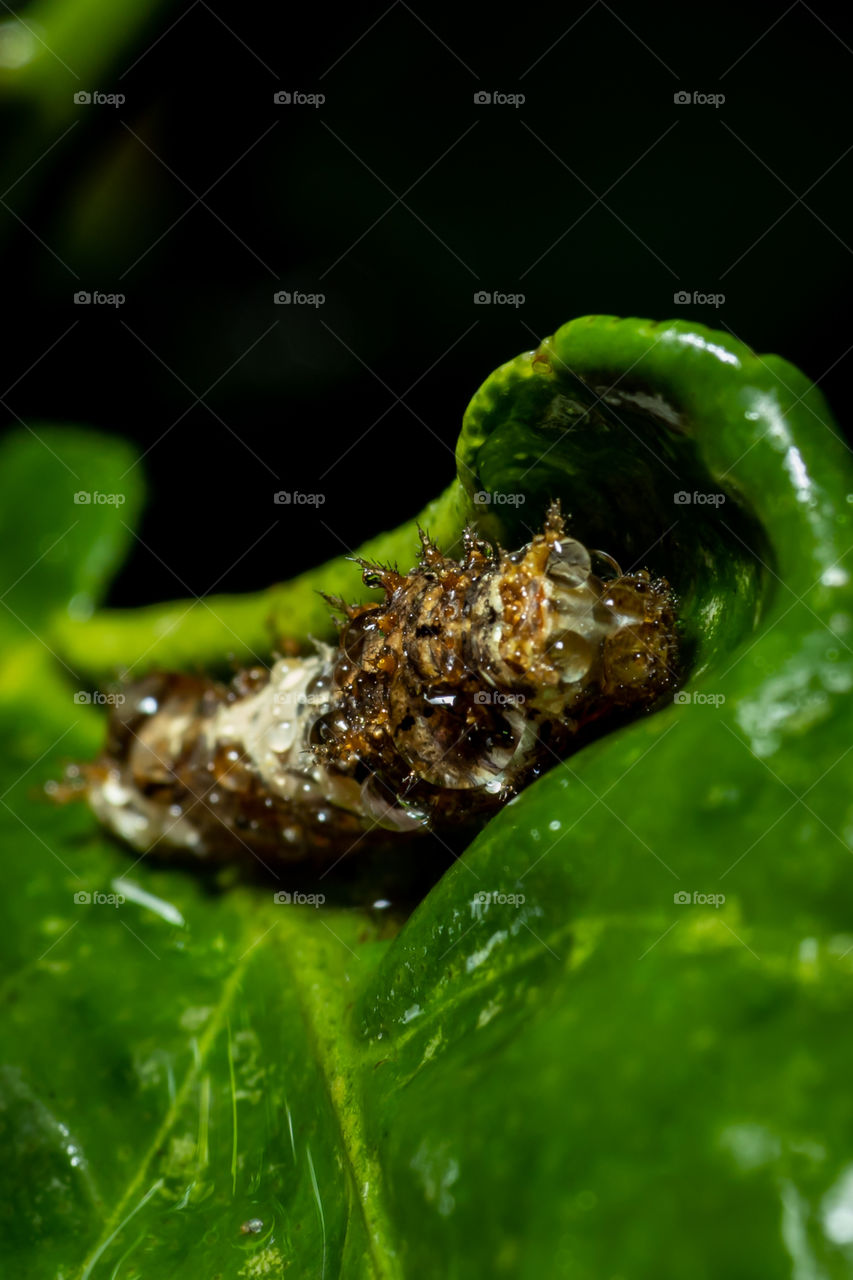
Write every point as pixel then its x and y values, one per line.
pixel 556 1068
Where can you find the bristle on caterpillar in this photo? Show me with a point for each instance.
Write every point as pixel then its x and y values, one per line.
pixel 468 679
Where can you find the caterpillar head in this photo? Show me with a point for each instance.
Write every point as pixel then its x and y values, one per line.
pixel 562 622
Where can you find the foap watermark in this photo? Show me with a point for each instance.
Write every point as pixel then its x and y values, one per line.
pixel 685 696
pixel 84 698
pixel 497 898
pixel 83 898
pixel 95 98
pixel 697 899
pixel 296 899
pixel 292 701
pixel 87 298
pixel 94 498
pixel 684 298
pixel 496 98
pixel 684 499
pixel 494 698
pixel 489 298
pixel 296 98
pixel 696 98
pixel 294 497
pixel 483 498
pixel 293 298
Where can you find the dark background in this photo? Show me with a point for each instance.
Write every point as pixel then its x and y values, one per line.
pixel 397 199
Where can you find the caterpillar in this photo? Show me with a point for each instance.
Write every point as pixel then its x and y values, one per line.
pixel 438 704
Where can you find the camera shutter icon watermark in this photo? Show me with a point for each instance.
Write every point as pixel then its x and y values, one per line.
pixel 85 298
pixel 83 698
pixel 285 899
pixel 86 497
pixel 683 98
pixel 686 697
pixel 494 698
pixel 286 497
pixel 482 98
pixel 83 898
pixel 83 98
pixel 295 98
pixel 682 498
pixel 684 899
pixel 288 298
pixel 483 498
pixel 486 298
pixel 683 298
pixel 497 898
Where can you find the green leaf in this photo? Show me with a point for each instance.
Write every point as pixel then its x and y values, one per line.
pixel 173 1057
pixel 554 1068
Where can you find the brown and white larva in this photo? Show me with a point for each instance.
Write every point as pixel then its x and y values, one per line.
pixel 437 705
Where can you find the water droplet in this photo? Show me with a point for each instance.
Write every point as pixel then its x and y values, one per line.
pixel 625 602
pixel 605 566
pixel 571 654
pixel 280 739
pixel 568 563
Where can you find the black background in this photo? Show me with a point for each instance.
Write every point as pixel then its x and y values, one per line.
pixel 398 199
